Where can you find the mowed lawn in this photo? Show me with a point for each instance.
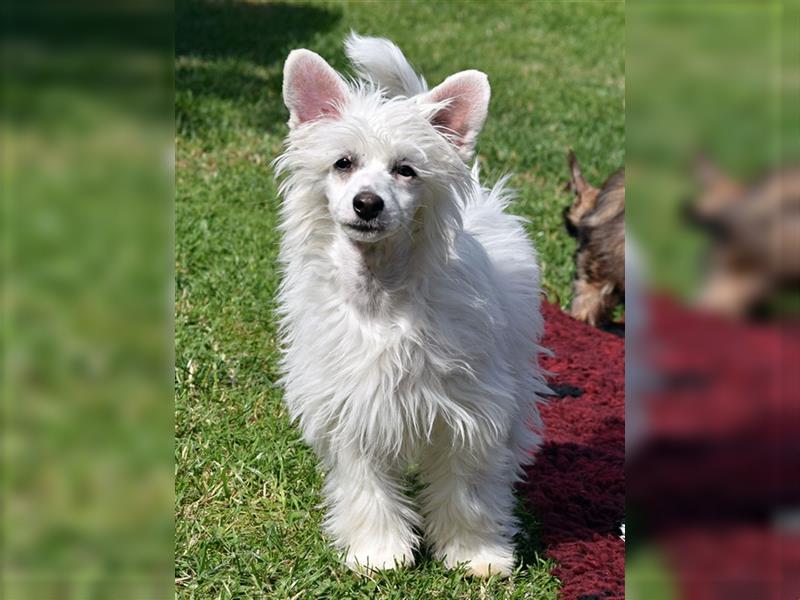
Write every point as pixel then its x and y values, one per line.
pixel 247 489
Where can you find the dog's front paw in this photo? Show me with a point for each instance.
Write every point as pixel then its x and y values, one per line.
pixel 379 559
pixel 481 561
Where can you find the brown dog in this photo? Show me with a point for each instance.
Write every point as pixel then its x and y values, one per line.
pixel 596 219
pixel 755 237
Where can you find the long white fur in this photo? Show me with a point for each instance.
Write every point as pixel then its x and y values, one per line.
pixel 381 62
pixel 417 349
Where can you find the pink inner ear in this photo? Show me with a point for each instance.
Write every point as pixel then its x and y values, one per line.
pixel 458 115
pixel 313 89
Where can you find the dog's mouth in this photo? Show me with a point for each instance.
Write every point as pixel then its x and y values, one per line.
pixel 365 227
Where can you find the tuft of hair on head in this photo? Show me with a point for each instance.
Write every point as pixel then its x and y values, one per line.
pixel 381 62
pixel 311 88
pixel 459 106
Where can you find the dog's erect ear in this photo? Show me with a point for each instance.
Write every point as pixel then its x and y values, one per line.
pixel 577 182
pixel 311 88
pixel 466 97
pixel 709 175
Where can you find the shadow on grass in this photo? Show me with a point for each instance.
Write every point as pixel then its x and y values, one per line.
pixel 234 51
pixel 529 546
pixel 260 33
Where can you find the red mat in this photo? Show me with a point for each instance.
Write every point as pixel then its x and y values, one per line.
pixel 576 488
pixel 716 485
pixel 717 467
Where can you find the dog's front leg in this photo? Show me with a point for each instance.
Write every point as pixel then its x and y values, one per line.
pixel 468 506
pixel 592 302
pixel 369 516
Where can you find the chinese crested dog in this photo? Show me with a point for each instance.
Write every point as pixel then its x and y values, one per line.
pixel 409 311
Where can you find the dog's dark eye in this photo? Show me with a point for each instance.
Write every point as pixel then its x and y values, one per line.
pixel 406 171
pixel 343 164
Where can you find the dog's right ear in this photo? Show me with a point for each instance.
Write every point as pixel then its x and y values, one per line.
pixel 577 182
pixel 311 88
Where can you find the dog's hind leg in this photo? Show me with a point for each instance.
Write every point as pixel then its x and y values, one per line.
pixel 468 506
pixel 369 516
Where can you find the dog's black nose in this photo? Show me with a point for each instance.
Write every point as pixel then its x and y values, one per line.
pixel 367 205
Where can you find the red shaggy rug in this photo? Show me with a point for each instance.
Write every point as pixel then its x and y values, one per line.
pixel 576 488
pixel 716 483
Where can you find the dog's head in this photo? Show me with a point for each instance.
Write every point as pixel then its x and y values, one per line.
pixel 718 194
pixel 377 162
pixel 585 196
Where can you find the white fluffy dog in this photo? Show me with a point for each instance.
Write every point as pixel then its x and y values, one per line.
pixel 409 311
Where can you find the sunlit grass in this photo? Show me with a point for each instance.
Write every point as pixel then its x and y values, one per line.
pixel 247 488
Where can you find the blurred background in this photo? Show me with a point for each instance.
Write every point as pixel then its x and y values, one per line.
pixel 88 126
pixel 87 301
pixel 712 402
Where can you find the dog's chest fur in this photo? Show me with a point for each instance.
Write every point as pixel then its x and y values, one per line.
pixel 373 277
pixel 372 360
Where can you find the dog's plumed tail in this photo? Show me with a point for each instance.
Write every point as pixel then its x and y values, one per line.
pixel 378 60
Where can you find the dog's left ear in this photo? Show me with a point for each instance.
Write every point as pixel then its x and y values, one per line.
pixel 465 98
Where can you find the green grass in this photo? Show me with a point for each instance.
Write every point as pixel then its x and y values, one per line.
pixel 713 77
pixel 247 489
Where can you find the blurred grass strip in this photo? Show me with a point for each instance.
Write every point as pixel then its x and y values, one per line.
pixel 87 230
pixel 703 77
